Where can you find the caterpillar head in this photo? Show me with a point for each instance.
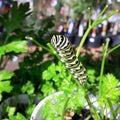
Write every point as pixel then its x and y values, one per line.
pixel 57 40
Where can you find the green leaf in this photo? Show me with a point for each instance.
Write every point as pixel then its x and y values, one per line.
pixel 50 72
pixel 46 75
pixel 20 116
pixel 10 110
pixel 28 88
pixel 91 73
pixel 4 82
pixel 47 88
pixel 77 95
pixel 17 46
pixel 5 86
pixel 12 117
pixel 5 75
pixel 16 17
pixel 30 109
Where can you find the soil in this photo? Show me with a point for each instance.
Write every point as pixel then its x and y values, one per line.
pixel 70 115
pixel 85 113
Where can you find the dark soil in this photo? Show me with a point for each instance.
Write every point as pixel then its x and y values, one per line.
pixel 84 114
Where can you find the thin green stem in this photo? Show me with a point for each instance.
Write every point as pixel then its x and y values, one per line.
pixel 98 19
pixel 111 108
pixel 114 48
pixel 102 113
pixel 53 50
pixel 88 117
pixel 92 108
pixel 94 113
pixel 102 64
pixel 102 12
pixel 37 43
pixel 83 40
pixel 64 108
pixel 95 23
pixel 89 17
pixel 103 19
pixel 117 109
pixel 104 54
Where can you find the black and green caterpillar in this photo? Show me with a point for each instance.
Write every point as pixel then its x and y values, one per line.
pixel 68 57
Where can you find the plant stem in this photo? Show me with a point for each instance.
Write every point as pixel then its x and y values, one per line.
pixel 98 20
pixel 86 34
pixel 88 30
pixel 105 18
pixel 89 17
pixel 111 108
pixel 53 50
pixel 83 40
pixel 102 12
pixel 114 48
pixel 118 109
pixel 102 64
pixel 104 54
pixel 92 108
pixel 94 113
pixel 37 43
pixel 64 108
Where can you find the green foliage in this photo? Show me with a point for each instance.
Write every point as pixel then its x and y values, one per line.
pixel 11 43
pixel 50 77
pixel 59 5
pixel 31 69
pixel 12 115
pixel 28 88
pixel 14 22
pixel 76 96
pixel 10 110
pixel 50 106
pixel 53 106
pixel 11 23
pixel 56 78
pixel 19 116
pixel 79 7
pixel 30 109
pixel 110 88
pixel 5 82
pixel 91 73
pixel 5 75
pixel 17 46
pixel 14 19
pixel 53 78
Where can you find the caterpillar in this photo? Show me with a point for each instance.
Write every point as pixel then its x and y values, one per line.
pixel 68 57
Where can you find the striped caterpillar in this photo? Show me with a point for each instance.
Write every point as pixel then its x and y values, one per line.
pixel 68 57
